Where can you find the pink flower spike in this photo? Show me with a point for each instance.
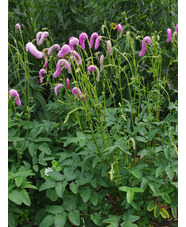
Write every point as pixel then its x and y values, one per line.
pixel 101 63
pixel 52 48
pixel 120 29
pixel 38 36
pixel 169 34
pixel 65 49
pixel 66 65
pixel 41 37
pixel 18 26
pixel 73 41
pixel 82 38
pixel 33 50
pixel 109 46
pixel 98 39
pixel 92 37
pixel 46 64
pixel 148 40
pixel 176 29
pixel 14 93
pixel 68 83
pixel 91 68
pixel 57 87
pixel 77 57
pixel 41 72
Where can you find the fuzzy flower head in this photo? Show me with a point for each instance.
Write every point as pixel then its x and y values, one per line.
pixel 95 69
pixel 101 63
pixel 60 64
pixel 57 87
pixel 46 64
pixel 47 171
pixel 77 57
pixel 77 91
pixel 68 83
pixel 14 93
pixel 40 37
pixel 41 72
pixel 92 37
pixel 52 48
pixel 65 49
pixel 109 46
pixel 176 29
pixel 33 50
pixel 82 38
pixel 120 29
pixel 148 40
pixel 97 42
pixel 169 34
pixel 73 41
pixel 18 26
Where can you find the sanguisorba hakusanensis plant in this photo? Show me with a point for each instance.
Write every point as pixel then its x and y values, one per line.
pixel 117 107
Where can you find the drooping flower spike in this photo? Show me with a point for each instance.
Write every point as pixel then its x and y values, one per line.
pixel 95 69
pixel 73 41
pixel 68 83
pixel 97 42
pixel 82 38
pixel 65 49
pixel 40 37
pixel 176 29
pixel 59 66
pixel 18 26
pixel 52 48
pixel 148 40
pixel 46 64
pixel 120 29
pixel 109 46
pixel 77 91
pixel 169 35
pixel 14 93
pixel 41 72
pixel 92 37
pixel 77 57
pixel 57 87
pixel 33 50
pixel 101 63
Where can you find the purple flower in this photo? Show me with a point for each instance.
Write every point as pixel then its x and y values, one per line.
pixel 148 40
pixel 40 36
pixel 169 34
pixel 91 68
pixel 98 39
pixel 120 29
pixel 68 83
pixel 82 38
pixel 51 49
pixel 18 26
pixel 109 46
pixel 176 29
pixel 77 57
pixel 14 93
pixel 41 72
pixel 46 64
pixel 101 63
pixel 33 50
pixel 65 49
pixel 73 41
pixel 57 87
pixel 77 91
pixel 93 36
pixel 66 65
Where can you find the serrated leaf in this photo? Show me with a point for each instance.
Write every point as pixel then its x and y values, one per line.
pixel 74 217
pixel 60 220
pixel 85 194
pixel 164 213
pixel 129 196
pixel 166 197
pixel 48 184
pixel 47 221
pixel 151 206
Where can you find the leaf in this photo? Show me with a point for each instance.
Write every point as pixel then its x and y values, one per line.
pixel 136 173
pixel 96 218
pixel 85 194
pixel 51 194
pixel 154 187
pixel 174 210
pixel 69 202
pixel 164 213
pixel 18 181
pixel 131 218
pixel 25 197
pixel 166 197
pixel 74 217
pixel 48 184
pixel 151 206
pixel 124 188
pixel 15 197
pixel 69 174
pixel 144 184
pixel 128 224
pixel 55 209
pixel 11 219
pixel 157 210
pixel 47 221
pixel 31 149
pixel 74 187
pixel 45 148
pixel 56 175
pixel 42 139
pixel 94 198
pixel 26 184
pixel 60 219
pixel 129 196
pixel 170 172
pixel 135 189
pixel 60 188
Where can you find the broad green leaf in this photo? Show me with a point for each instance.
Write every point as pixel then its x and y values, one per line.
pixel 135 189
pixel 31 149
pixel 136 173
pixel 131 218
pixel 74 187
pixel 55 209
pixel 48 184
pixel 69 173
pixel 51 194
pixel 11 219
pixel 144 183
pixel 18 180
pixel 151 206
pixel 47 221
pixel 45 148
pixel 25 197
pixel 129 196
pixel 96 218
pixel 56 175
pixel 15 197
pixel 85 194
pixel 74 217
pixel 60 188
pixel 170 172
pixel 26 184
pixel 128 224
pixel 154 187
pixel 157 210
pixel 174 210
pixel 166 197
pixel 94 198
pixel 164 213
pixel 69 202
pixel 124 188
pixel 42 139
pixel 60 220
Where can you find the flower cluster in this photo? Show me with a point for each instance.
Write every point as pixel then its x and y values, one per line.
pixel 15 94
